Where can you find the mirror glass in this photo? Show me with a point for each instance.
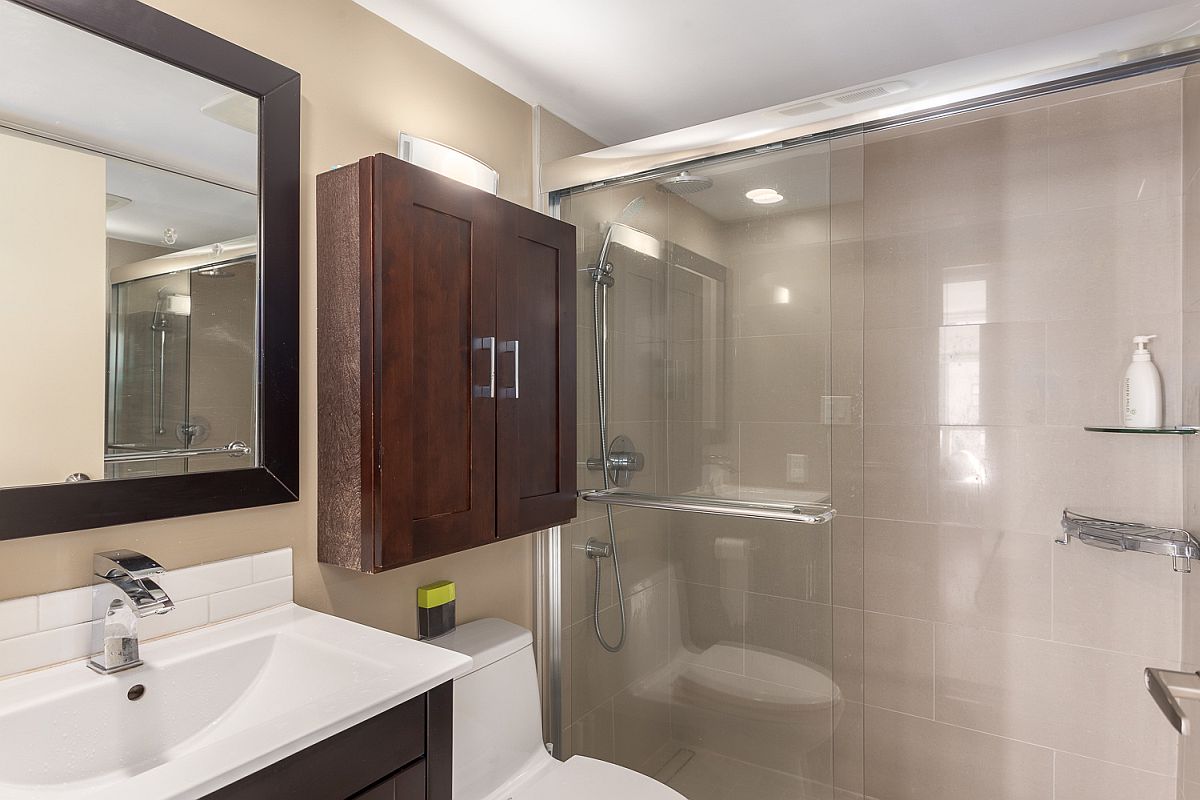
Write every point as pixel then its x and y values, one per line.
pixel 129 222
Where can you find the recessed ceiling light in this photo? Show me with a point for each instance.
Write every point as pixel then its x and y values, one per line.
pixel 767 199
pixel 754 194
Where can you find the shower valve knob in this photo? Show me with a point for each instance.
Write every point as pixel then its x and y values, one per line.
pixel 597 549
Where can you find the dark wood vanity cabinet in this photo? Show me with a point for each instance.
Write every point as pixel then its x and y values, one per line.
pixel 446 361
pixel 404 753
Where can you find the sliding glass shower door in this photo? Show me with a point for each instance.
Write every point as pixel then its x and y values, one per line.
pixel 734 374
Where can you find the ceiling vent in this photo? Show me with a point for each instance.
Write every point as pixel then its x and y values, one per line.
pixel 870 92
pixel 800 109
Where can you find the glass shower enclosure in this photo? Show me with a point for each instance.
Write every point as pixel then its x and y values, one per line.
pixel 725 321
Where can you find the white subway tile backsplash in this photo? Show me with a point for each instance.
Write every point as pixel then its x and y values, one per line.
pixel 220 576
pixel 18 617
pixel 60 609
pixel 248 599
pixel 275 564
pixel 187 614
pixel 45 647
pixel 41 630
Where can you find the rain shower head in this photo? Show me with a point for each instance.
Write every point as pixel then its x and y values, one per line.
pixel 685 183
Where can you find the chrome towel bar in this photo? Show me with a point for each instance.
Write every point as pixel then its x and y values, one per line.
pixel 806 513
pixel 233 449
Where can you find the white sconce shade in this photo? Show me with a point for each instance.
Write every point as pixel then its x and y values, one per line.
pixel 447 161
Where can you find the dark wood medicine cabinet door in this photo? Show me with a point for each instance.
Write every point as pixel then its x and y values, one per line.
pixel 446 347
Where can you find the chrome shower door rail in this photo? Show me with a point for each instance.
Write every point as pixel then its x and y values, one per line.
pixel 806 513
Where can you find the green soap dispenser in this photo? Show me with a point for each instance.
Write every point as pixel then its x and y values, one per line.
pixel 435 609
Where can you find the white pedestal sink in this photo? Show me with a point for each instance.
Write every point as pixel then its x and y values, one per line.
pixel 215 705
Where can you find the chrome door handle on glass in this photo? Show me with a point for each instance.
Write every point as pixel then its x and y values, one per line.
pixel 513 347
pixel 122 593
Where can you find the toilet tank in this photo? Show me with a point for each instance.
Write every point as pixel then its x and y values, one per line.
pixel 497 711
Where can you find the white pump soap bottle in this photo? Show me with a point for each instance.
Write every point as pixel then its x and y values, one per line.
pixel 1141 390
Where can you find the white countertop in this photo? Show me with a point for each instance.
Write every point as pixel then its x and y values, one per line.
pixel 220 703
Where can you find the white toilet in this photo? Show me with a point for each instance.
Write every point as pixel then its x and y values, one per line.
pixel 499 753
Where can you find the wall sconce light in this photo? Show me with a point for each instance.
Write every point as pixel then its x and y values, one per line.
pixel 447 161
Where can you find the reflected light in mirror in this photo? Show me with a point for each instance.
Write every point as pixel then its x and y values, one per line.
pixel 783 295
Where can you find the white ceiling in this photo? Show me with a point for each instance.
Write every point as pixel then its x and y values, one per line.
pixel 85 91
pixel 626 69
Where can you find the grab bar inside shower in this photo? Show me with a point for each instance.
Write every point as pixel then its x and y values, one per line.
pixel 806 513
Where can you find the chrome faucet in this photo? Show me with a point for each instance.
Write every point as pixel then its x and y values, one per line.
pixel 122 593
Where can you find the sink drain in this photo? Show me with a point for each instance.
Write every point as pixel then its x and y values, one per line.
pixel 136 692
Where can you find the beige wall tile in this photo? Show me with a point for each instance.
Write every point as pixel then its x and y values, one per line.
pixel 898 664
pixel 592 735
pixel 847 285
pixel 1077 778
pixel 764 448
pixel 948 573
pixel 1118 477
pixel 642 544
pixel 993 167
pixel 909 758
pixel 579 571
pixel 777 558
pixel 896 471
pixel 1124 604
pixel 784 289
pixel 992 270
pixel 896 269
pixel 848 561
pixel 1086 360
pixel 848 750
pixel 848 657
pixel 1190 377
pixel 848 469
pixel 900 376
pixel 786 638
pixel 641 722
pixel 1085 701
pixel 704 616
pixel 1190 611
pixel 1190 122
pixel 1114 260
pixel 1115 148
pixel 780 378
pixel 598 674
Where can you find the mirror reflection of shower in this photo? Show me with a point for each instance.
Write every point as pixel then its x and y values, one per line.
pixel 181 369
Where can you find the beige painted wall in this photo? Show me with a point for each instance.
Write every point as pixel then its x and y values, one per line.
pixel 363 80
pixel 52 238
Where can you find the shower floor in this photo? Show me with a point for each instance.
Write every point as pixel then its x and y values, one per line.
pixel 703 775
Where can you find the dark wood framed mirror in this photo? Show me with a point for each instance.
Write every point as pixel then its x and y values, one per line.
pixel 235 173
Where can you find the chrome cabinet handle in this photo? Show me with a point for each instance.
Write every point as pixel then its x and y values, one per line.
pixel 513 347
pixel 488 342
pixel 1168 687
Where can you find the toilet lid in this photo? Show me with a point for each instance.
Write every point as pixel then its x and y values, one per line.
pixel 583 778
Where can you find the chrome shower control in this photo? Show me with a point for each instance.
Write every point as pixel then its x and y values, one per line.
pixel 623 461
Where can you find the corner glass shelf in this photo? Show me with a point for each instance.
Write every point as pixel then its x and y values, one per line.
pixel 1177 430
